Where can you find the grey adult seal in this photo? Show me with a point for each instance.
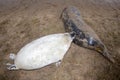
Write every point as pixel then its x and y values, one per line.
pixel 85 35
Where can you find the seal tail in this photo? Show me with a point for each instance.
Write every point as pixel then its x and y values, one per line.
pixel 108 56
pixel 103 50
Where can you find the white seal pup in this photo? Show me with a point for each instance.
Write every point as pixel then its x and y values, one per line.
pixel 42 52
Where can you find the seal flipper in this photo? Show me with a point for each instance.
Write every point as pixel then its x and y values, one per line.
pixel 12 67
pixel 106 54
pixel 12 56
pixel 99 47
pixel 58 63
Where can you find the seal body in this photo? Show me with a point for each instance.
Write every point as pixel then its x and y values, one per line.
pixel 85 35
pixel 42 52
pixel 73 21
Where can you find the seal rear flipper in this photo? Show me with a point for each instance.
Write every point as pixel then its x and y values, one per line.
pixel 108 56
pixel 101 48
pixel 12 56
pixel 12 67
pixel 94 44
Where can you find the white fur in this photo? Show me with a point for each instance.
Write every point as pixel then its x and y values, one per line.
pixel 42 52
